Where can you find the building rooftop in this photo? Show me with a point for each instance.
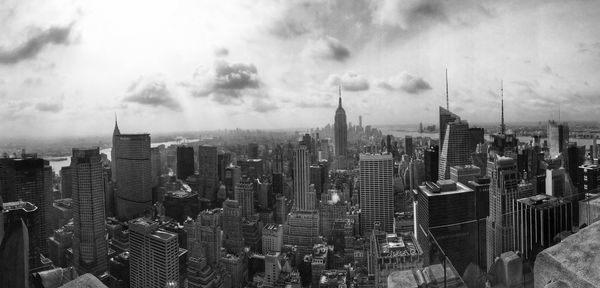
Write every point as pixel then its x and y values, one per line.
pixel 18 205
pixel 444 188
pixel 541 201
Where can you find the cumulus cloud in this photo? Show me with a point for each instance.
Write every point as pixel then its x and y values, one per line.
pixel 151 91
pixel 49 106
pixel 225 82
pixel 405 82
pixel 349 81
pixel 35 44
pixel 327 48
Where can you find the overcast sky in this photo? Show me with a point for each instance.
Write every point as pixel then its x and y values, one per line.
pixel 67 66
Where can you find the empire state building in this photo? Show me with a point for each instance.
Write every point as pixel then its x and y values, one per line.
pixel 340 130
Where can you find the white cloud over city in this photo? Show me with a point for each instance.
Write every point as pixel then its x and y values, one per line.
pixel 67 66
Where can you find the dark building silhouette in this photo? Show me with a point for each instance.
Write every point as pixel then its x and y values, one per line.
pixel 431 159
pixel 185 162
pixel 207 170
pixel 223 161
pixel 476 136
pixel 589 181
pixel 18 253
pixel 448 210
pixel 29 179
pixel 65 182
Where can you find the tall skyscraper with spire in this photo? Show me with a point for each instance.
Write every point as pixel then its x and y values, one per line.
pixel 504 142
pixel 89 240
pixel 340 129
pixel 113 151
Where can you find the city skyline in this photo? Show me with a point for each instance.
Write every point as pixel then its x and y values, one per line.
pixel 181 64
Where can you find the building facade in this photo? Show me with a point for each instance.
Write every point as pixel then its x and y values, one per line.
pixel 376 192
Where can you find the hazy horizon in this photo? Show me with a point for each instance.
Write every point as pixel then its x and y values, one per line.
pixel 66 67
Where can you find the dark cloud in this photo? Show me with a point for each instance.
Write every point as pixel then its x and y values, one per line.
pixel 221 52
pixel 151 91
pixel 327 48
pixel 49 106
pixel 350 81
pixel 34 45
pixel 226 82
pixel 405 82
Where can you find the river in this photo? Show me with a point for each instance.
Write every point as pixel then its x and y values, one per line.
pixel 58 164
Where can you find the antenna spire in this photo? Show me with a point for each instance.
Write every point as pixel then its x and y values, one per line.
pixel 447 102
pixel 340 93
pixel 558 112
pixel 502 126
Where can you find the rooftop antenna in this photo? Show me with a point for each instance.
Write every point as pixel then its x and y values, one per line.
pixel 558 112
pixel 447 102
pixel 340 92
pixel 502 126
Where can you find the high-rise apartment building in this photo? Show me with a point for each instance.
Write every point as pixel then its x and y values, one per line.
pixel 185 162
pixel 409 149
pixel 589 181
pixel 134 176
pixel 376 192
pixel 90 248
pixel 207 169
pixel 455 148
pixel 153 255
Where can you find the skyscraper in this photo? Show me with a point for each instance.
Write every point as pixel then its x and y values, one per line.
pixel 26 179
pixel 232 227
pixel 207 169
pixel 504 191
pixel 558 137
pixel 185 162
pixel 90 248
pixel 153 255
pixel 65 182
pixel 17 218
pixel 134 176
pixel 445 117
pixel 302 198
pixel 340 130
pixel 409 149
pixel 455 148
pixel 376 192
pixel 244 194
pixel 431 157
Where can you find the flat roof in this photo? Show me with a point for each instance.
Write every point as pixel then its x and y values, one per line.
pixel 460 188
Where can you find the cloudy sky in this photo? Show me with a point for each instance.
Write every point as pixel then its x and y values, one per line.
pixel 67 66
